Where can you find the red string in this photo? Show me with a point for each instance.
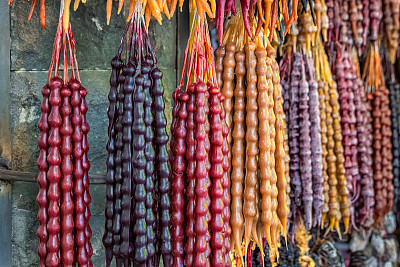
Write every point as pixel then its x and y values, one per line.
pixel 198 63
pixel 71 58
pixel 66 41
pixel 65 60
pixel 56 51
pixel 58 47
pixel 74 54
pixel 184 61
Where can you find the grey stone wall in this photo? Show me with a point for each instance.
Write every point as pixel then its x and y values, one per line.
pixel 31 50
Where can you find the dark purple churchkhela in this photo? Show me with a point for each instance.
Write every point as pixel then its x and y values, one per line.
pixel 294 134
pixel 116 230
pixel 316 148
pixel 285 70
pixel 139 175
pixel 116 64
pixel 305 147
pixel 138 185
pixel 150 157
pixel 126 157
pixel 164 186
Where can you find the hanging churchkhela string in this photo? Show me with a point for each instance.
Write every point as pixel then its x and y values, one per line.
pixel 309 143
pixel 256 124
pixel 137 188
pixel 394 95
pixel 199 148
pixel 378 96
pixel 64 232
pixel 310 95
pixel 271 15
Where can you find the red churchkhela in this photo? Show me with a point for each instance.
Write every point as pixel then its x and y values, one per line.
pixel 67 204
pixel 201 190
pixel 54 174
pixel 64 232
pixel 178 185
pixel 226 185
pixel 77 137
pixel 199 149
pixel 86 166
pixel 42 177
pixel 190 172
pixel 216 173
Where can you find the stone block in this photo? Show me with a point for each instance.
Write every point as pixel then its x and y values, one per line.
pixel 25 99
pixel 163 41
pixel 24 224
pixel 96 42
pixel 25 113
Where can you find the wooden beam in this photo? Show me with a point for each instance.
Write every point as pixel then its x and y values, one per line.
pixel 7 175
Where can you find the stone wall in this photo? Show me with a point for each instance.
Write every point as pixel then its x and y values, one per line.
pixel 31 50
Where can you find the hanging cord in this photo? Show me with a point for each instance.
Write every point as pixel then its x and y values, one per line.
pixel 136 49
pixel 130 41
pixel 52 59
pixel 149 49
pixel 65 58
pixel 71 37
pixel 71 59
pixel 57 45
pixel 186 55
pixel 188 47
pixel 212 73
pixel 57 49
pixel 123 40
pixel 58 37
pixel 139 17
pixel 194 52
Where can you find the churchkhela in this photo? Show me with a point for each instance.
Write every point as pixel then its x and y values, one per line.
pixel 137 215
pixel 248 74
pixel 64 232
pixel 200 159
pixel 258 149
